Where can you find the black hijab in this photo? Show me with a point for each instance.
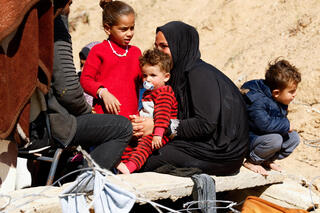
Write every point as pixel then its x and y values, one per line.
pixel 183 41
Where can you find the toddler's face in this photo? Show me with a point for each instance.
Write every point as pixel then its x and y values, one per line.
pixel 123 32
pixel 154 75
pixel 286 95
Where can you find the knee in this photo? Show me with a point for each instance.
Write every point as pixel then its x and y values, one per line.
pixel 126 126
pixel 295 138
pixel 276 141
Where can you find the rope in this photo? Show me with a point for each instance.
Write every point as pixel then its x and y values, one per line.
pixel 7 203
pixel 310 192
pixel 312 143
pixel 231 204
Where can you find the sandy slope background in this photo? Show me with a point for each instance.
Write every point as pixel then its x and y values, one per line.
pixel 239 37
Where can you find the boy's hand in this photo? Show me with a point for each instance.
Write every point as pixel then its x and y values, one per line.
pixel 291 128
pixel 111 102
pixel 156 142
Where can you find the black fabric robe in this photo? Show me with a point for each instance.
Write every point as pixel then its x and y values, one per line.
pixel 213 122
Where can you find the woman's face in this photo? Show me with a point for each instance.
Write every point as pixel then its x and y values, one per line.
pixel 162 44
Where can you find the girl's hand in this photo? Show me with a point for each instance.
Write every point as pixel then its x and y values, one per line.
pixel 110 101
pixel 141 126
pixel 156 142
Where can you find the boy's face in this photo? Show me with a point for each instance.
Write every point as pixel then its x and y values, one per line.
pixel 286 95
pixel 154 75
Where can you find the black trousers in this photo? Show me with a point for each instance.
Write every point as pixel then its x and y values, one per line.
pixel 179 158
pixel 106 135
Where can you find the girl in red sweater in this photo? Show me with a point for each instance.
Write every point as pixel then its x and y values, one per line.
pixel 111 73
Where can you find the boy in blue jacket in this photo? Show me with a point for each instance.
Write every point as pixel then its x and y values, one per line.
pixel 271 135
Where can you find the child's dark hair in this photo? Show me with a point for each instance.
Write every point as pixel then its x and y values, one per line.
pixel 112 10
pixel 155 57
pixel 280 74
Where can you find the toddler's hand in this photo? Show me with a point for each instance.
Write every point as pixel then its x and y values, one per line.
pixel 111 102
pixel 156 142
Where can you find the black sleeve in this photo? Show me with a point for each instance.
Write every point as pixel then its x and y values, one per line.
pixel 65 82
pixel 204 106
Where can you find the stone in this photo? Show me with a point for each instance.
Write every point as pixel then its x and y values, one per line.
pixel 148 185
pixel 43 199
pixel 155 186
pixel 290 194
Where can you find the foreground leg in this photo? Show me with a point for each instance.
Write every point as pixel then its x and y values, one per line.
pixel 107 135
pixel 171 154
pixel 255 168
pixel 272 165
pixel 289 145
pixel 123 168
pixel 265 148
pixel 135 159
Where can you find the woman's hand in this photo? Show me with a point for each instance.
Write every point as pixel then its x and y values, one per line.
pixel 141 126
pixel 110 101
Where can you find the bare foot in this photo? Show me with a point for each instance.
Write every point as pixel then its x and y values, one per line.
pixel 255 168
pixel 274 166
pixel 123 168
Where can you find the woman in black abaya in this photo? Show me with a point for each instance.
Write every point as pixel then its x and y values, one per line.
pixel 211 132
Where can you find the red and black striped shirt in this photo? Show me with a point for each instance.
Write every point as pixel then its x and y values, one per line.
pixel 161 104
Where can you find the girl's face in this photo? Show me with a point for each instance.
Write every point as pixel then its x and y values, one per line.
pixel 162 44
pixel 123 31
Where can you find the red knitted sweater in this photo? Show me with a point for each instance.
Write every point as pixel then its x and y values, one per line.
pixel 120 75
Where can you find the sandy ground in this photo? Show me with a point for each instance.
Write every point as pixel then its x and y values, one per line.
pixel 239 37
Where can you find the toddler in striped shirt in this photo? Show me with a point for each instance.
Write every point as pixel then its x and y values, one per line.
pixel 159 103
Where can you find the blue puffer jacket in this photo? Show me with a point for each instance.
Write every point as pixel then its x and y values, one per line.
pixel 265 114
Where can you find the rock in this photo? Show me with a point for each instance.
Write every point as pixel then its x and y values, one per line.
pixel 289 194
pixel 149 185
pixel 155 186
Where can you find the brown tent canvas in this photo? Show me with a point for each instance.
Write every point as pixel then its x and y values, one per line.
pixel 26 58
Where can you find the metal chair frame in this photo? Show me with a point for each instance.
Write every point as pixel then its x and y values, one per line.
pixel 53 160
